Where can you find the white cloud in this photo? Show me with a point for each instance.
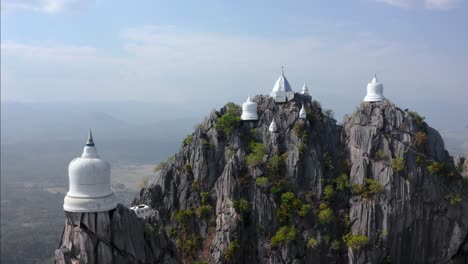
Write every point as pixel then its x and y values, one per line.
pixel 168 63
pixel 428 4
pixel 44 6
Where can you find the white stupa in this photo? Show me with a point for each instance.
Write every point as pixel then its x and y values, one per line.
pixel 282 91
pixel 89 178
pixel 273 127
pixel 249 110
pixel 304 90
pixel 303 113
pixel 374 91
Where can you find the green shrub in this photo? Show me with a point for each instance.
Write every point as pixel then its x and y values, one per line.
pixel 171 231
pixel 316 104
pixel 232 248
pixel 195 186
pixel 204 211
pixel 305 209
pixel 233 109
pixel 257 151
pixel 261 181
pixel 369 189
pixel 355 241
pixel 453 198
pixel 329 113
pixel 275 163
pixel 325 216
pixel 188 168
pixel 398 164
pixel 229 154
pixel 184 217
pixel 420 139
pixel 160 166
pixel 419 119
pixel 205 141
pixel 327 159
pixel 342 182
pixel 204 197
pixel 328 191
pixel 335 245
pixel 190 245
pixel 188 140
pixel 301 148
pixel 227 123
pixel 441 168
pixel 242 207
pixel 312 243
pixel 288 207
pixel 380 154
pixel 420 160
pixel 300 129
pixel 148 230
pixel 284 235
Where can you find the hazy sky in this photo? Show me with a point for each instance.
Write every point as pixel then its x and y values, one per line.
pixel 211 52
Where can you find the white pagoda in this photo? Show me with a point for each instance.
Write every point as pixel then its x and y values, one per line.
pixel 374 91
pixel 89 178
pixel 249 110
pixel 273 127
pixel 304 89
pixel 282 91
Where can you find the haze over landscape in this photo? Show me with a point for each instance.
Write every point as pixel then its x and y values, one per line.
pixel 142 76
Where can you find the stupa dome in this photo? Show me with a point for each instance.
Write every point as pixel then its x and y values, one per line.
pixel 273 127
pixel 302 113
pixel 305 89
pixel 249 110
pixel 374 91
pixel 282 91
pixel 89 178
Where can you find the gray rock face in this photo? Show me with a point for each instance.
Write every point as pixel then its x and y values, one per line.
pixel 237 193
pixel 417 218
pixel 117 236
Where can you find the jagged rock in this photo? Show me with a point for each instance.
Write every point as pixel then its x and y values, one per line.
pixel 219 208
pixel 414 212
pixel 116 236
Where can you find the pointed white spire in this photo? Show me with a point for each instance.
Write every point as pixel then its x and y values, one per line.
pixel 305 89
pixel 90 142
pixel 282 91
pixel 303 113
pixel 273 127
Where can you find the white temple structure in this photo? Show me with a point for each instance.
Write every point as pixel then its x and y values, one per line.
pixel 142 210
pixel 282 91
pixel 273 127
pixel 249 110
pixel 89 178
pixel 304 89
pixel 374 91
pixel 302 113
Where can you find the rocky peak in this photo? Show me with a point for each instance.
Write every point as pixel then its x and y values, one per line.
pixel 379 188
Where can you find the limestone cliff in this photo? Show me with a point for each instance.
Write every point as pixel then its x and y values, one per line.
pixel 379 189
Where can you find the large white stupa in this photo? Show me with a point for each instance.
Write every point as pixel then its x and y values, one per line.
pixel 89 178
pixel 282 91
pixel 374 91
pixel 249 110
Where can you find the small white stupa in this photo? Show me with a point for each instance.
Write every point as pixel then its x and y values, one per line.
pixel 249 110
pixel 374 91
pixel 302 113
pixel 282 91
pixel 89 178
pixel 304 90
pixel 273 127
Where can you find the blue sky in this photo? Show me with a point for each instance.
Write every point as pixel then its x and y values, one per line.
pixel 211 52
